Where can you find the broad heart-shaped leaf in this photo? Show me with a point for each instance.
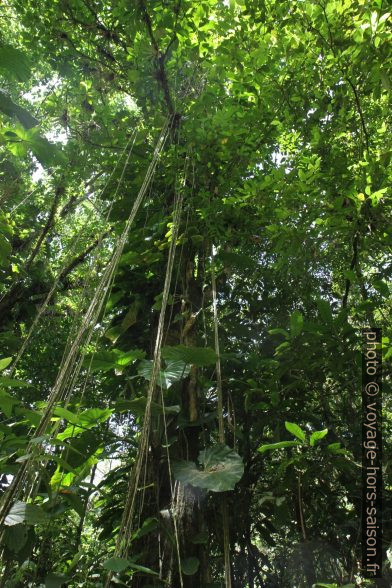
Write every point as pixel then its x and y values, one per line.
pixel 116 564
pixel 222 469
pixel 92 416
pixel 66 415
pixel 5 362
pixel 279 445
pixel 87 419
pixel 114 359
pixel 317 435
pixel 21 512
pixel 296 323
pixel 173 372
pixel 191 355
pixel 137 406
pixel 295 430
pixel 190 565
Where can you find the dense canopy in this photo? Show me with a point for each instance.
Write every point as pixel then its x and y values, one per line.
pixel 194 229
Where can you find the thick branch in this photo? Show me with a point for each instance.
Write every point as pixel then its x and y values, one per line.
pixel 20 292
pixel 47 227
pixel 81 258
pixel 161 72
pixel 360 112
pixel 352 267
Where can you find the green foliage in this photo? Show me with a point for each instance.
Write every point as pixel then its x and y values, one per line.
pixel 173 372
pixel 190 565
pixel 202 356
pixel 279 445
pixel 221 469
pixel 296 323
pixel 317 436
pixel 55 580
pixel 8 107
pixel 5 362
pixel 295 430
pixel 21 512
pixel 14 64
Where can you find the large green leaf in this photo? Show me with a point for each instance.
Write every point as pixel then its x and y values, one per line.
pixel 119 564
pixel 116 564
pixel 139 568
pixel 173 372
pixel 20 140
pixel 296 323
pixel 221 468
pixel 14 64
pixel 21 512
pixel 191 355
pixel 46 152
pixel 80 449
pixel 114 359
pixel 11 109
pixel 87 419
pixel 325 311
pixel 93 416
pixel 11 383
pixel 278 445
pixel 5 362
pixel 317 436
pixel 190 565
pixel 53 580
pixel 66 415
pixel 295 430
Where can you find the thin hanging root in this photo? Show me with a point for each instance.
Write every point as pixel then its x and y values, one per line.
pixel 88 323
pixel 125 531
pixel 176 496
pixel 225 512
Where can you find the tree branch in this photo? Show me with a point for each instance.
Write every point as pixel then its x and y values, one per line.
pixel 48 225
pixel 81 258
pixel 160 57
pixel 352 267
